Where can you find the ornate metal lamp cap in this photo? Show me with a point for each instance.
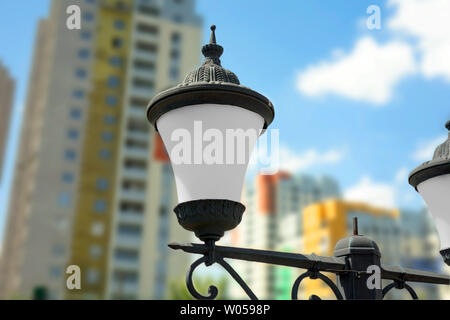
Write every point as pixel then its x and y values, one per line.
pixel 210 84
pixel 439 165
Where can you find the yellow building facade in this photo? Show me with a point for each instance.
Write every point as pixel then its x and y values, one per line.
pixel 91 229
pixel 325 223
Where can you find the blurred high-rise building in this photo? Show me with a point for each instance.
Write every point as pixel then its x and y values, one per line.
pixel 7 86
pixel 325 223
pixel 92 185
pixel 273 217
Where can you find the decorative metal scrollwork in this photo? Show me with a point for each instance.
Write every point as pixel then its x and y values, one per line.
pixel 212 290
pixel 312 274
pixel 400 285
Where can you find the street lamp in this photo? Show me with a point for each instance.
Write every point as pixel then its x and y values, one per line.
pixel 432 181
pixel 210 107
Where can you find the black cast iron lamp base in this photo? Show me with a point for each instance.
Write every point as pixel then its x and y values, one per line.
pixel 197 216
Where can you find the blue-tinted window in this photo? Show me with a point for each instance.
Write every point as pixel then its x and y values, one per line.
pixel 56 272
pixel 70 154
pixel 100 206
pixel 116 42
pixel 110 119
pixel 174 73
pixel 102 184
pixel 105 154
pixel 107 136
pixel 78 94
pixel 119 24
pixel 88 16
pixel 64 199
pixel 111 101
pixel 80 73
pixel 113 82
pixel 73 134
pixel 86 35
pixel 67 177
pixel 115 61
pixel 75 113
pixel 83 53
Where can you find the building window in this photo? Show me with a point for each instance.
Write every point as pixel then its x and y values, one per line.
pixel 105 154
pixel 95 251
pixel 117 43
pixel 83 54
pixel 56 272
pixel 100 206
pixel 58 250
pixel 88 16
pixel 86 35
pixel 70 154
pixel 107 136
pixel 64 199
pixel 97 229
pixel 113 82
pixel 109 119
pixel 78 94
pixel 73 134
pixel 119 25
pixel 67 177
pixel 92 276
pixel 115 61
pixel 80 73
pixel 176 38
pixel 102 184
pixel 75 113
pixel 111 101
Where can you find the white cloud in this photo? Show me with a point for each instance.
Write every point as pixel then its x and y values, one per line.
pixel 429 22
pixel 368 73
pixel 375 193
pixel 425 149
pixel 298 161
pixel 295 161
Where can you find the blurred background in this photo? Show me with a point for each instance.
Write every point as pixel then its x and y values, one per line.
pixel 86 181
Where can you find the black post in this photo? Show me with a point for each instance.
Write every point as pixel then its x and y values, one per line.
pixel 359 253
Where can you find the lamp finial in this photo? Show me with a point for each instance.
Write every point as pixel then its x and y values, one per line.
pixel 212 51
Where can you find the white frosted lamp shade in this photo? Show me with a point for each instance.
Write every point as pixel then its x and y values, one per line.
pixel 436 193
pixel 209 147
pixel 209 124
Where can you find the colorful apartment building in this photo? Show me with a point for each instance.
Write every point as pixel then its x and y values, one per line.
pixel 91 188
pixel 272 217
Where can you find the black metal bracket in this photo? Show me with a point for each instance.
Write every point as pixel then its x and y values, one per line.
pixel 312 263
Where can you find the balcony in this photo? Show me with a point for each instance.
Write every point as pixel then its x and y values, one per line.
pixel 133 195
pixel 144 55
pixel 135 173
pixel 130 217
pixel 137 153
pixel 128 242
pixel 142 93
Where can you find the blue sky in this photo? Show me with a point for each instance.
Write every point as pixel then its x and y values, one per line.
pixel 364 106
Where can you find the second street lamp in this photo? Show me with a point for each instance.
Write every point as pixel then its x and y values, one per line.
pixel 432 181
